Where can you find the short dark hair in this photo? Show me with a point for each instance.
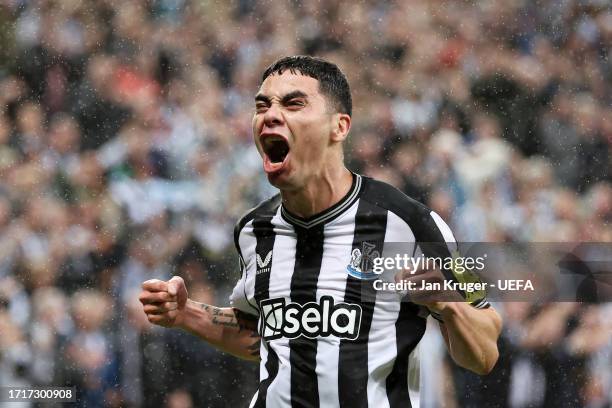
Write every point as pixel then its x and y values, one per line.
pixel 332 82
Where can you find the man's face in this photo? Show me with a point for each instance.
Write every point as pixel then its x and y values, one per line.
pixel 292 125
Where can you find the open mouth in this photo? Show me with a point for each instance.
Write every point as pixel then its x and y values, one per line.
pixel 276 148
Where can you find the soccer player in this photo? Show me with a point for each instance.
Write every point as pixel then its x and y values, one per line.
pixel 305 304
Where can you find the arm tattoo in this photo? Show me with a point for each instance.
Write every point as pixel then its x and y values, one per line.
pixel 223 318
pixel 236 319
pixel 220 317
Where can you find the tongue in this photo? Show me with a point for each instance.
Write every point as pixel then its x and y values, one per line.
pixel 270 167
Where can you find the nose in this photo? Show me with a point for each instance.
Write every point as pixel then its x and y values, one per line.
pixel 273 116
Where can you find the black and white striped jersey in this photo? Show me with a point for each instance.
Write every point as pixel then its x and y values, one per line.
pixel 328 338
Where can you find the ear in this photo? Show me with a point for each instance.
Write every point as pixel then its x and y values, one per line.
pixel 341 127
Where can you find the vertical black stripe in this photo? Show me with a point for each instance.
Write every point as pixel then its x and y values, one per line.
pixel 264 232
pixel 408 332
pixel 302 350
pixel 370 228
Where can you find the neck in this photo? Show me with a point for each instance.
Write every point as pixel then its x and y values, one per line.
pixel 319 193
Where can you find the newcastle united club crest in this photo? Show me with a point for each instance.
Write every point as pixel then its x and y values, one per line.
pixel 362 262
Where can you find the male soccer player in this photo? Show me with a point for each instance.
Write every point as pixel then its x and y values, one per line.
pixel 304 306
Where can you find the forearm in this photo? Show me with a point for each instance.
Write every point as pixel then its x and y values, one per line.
pixel 471 335
pixel 225 328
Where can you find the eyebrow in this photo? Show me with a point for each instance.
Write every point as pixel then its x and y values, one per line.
pixel 286 98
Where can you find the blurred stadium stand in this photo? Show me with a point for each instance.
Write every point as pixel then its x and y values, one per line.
pixel 126 154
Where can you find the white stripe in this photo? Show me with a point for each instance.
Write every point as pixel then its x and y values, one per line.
pixel 248 243
pixel 283 262
pixel 414 374
pixel 332 282
pixel 382 347
pixel 254 399
pixel 447 234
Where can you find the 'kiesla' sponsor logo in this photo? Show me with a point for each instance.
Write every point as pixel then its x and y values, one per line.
pixel 279 319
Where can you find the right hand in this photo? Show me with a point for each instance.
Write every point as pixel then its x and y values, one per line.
pixel 164 302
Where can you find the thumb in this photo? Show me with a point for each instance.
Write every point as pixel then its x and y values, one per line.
pixel 172 289
pixel 173 285
pixel 176 287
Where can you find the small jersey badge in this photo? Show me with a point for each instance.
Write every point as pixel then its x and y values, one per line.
pixel 362 262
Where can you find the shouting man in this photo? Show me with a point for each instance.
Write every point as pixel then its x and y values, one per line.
pixel 305 305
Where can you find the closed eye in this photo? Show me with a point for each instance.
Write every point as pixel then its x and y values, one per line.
pixel 296 103
pixel 261 107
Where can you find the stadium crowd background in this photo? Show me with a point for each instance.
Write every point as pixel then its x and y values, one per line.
pixel 126 154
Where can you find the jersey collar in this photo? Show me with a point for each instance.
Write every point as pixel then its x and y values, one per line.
pixel 329 214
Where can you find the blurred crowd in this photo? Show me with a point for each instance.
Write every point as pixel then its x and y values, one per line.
pixel 126 154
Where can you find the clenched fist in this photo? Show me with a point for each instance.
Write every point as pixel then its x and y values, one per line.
pixel 164 302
